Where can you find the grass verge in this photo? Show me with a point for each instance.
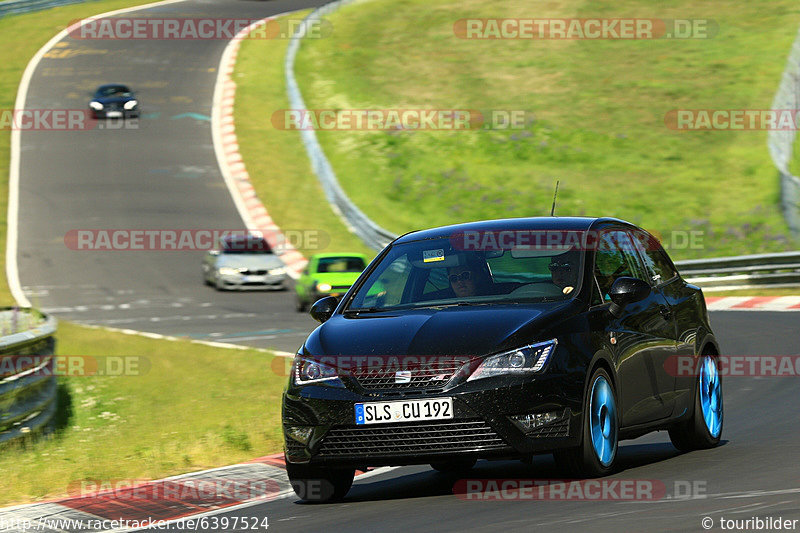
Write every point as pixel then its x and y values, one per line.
pixel 762 291
pixel 598 109
pixel 193 407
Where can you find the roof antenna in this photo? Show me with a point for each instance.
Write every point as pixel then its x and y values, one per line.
pixel 555 195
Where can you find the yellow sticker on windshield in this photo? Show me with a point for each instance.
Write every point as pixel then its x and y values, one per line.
pixel 429 256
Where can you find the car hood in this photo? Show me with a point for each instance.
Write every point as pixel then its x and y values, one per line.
pixel 457 331
pixel 250 261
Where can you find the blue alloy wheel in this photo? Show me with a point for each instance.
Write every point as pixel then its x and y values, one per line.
pixel 603 421
pixel 710 396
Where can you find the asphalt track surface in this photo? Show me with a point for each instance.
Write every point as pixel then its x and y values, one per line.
pixel 162 175
pixel 753 473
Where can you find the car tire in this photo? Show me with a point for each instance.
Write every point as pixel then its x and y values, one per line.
pixel 597 453
pixel 300 306
pixel 454 466
pixel 703 429
pixel 319 484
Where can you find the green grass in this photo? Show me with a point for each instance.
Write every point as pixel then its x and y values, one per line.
pixel 764 291
pixel 276 160
pixel 599 109
pixel 196 407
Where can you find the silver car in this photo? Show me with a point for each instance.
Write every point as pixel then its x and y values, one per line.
pixel 244 263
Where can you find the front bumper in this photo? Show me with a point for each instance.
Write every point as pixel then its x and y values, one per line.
pixel 115 113
pixel 481 427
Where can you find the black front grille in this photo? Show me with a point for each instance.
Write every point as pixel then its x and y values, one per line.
pixel 432 376
pixel 253 272
pixel 294 448
pixel 410 439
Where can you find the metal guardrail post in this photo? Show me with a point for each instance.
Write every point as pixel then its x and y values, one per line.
pixel 27 381
pixel 18 7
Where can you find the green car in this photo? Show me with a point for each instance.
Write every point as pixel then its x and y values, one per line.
pixel 328 274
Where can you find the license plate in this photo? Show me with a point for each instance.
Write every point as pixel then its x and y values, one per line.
pixel 254 279
pixel 114 114
pixel 404 411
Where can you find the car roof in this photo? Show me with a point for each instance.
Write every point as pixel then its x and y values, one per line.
pixel 529 223
pixel 110 85
pixel 250 240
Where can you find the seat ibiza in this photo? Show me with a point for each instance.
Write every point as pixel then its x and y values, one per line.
pixel 502 339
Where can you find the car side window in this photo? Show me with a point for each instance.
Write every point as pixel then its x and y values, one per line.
pixel 658 265
pixel 616 257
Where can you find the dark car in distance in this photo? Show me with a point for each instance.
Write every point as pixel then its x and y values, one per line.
pixel 114 100
pixel 502 339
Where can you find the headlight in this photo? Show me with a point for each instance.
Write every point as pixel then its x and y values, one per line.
pixel 277 271
pixel 526 360
pixel 323 287
pixel 130 104
pixel 228 271
pixel 309 371
pixel 97 106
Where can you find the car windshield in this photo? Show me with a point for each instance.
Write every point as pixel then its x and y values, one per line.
pixel 116 90
pixel 433 273
pixel 340 264
pixel 244 244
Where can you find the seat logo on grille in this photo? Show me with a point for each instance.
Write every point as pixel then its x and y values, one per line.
pixel 402 376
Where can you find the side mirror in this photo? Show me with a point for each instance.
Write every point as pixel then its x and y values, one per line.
pixel 626 291
pixel 323 308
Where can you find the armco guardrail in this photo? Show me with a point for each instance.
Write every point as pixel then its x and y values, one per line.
pixel 373 235
pixel 777 270
pixel 27 382
pixel 781 142
pixel 17 7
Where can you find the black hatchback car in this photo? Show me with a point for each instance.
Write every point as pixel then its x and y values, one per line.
pixel 114 100
pixel 502 339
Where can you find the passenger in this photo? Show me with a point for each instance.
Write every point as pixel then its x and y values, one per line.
pixel 462 281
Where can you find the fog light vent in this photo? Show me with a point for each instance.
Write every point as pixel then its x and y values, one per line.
pixel 531 421
pixel 299 433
